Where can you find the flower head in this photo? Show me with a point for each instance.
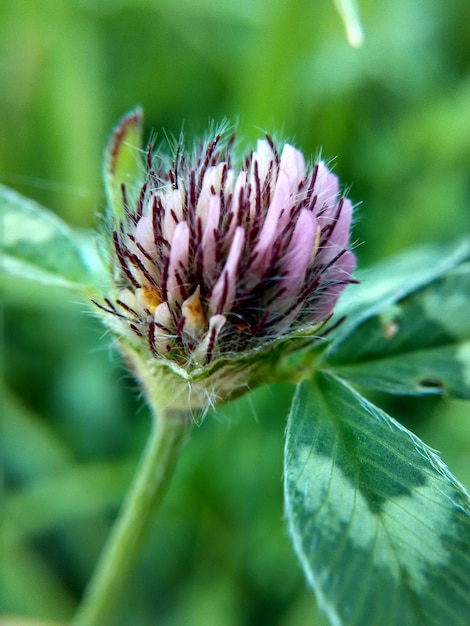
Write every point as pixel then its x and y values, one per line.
pixel 214 260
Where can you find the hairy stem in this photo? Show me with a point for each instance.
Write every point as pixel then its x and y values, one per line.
pixel 128 533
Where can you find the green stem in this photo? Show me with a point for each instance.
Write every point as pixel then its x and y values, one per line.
pixel 145 494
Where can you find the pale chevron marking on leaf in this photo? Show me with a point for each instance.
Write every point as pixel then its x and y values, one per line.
pixel 38 245
pixel 430 456
pixel 456 301
pixel 32 228
pixel 337 503
pixel 343 511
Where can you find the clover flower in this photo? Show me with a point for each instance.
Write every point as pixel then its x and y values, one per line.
pixel 213 260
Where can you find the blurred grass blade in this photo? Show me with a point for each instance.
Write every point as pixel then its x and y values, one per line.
pixel 30 448
pixel 349 13
pixel 418 345
pixel 81 492
pixel 29 585
pixel 123 161
pixel 37 245
pixel 381 527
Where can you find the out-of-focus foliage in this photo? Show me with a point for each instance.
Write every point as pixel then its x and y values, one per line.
pixel 392 117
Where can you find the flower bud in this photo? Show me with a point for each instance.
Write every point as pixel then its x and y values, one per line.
pixel 215 265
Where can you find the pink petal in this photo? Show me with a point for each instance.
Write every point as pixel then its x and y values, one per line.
pixel 144 234
pixel 339 273
pixel 205 349
pixel 162 317
pixel 178 261
pixel 173 213
pixel 212 180
pixel 223 293
pixel 264 157
pixel 341 230
pixel 276 218
pixel 208 236
pixel 144 240
pixel 339 237
pixel 240 184
pixel 298 254
pixel 326 189
pixel 284 322
pixel 293 165
pixel 291 173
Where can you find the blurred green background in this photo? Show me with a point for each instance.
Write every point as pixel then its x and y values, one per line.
pixel 393 118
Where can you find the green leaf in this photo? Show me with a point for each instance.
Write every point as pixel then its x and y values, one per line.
pixel 38 245
pixel 123 161
pixel 442 370
pixel 392 280
pixel 420 344
pixel 380 525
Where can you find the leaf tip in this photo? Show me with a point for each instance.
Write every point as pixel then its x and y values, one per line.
pixel 131 122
